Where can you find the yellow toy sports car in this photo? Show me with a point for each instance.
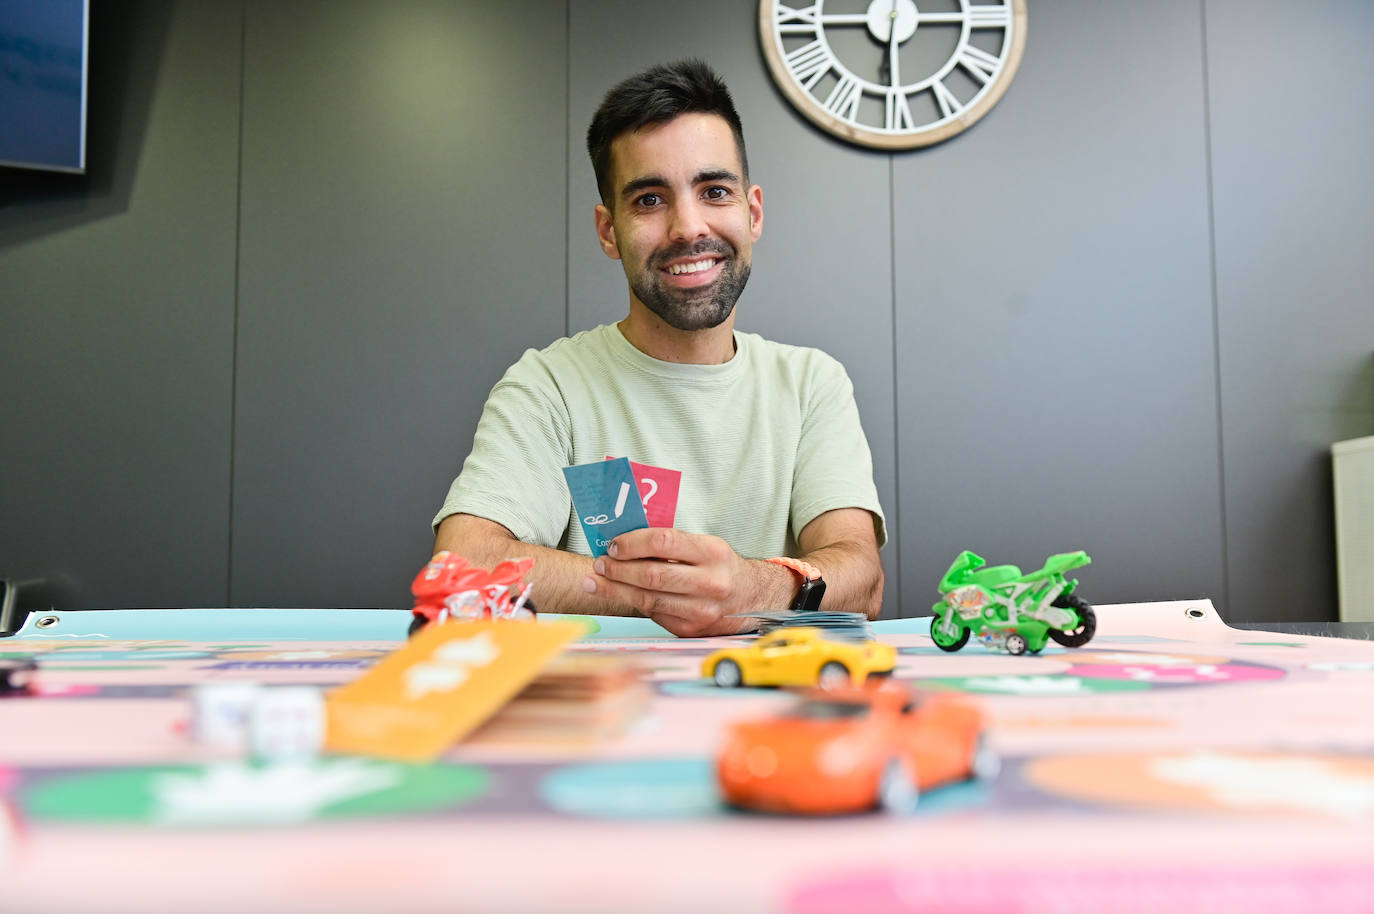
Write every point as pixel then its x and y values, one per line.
pixel 800 656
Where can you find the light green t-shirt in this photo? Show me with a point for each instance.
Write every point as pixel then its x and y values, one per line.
pixel 765 442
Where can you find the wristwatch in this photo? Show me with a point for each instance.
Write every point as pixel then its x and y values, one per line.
pixel 813 585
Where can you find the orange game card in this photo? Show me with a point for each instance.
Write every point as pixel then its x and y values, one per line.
pixel 445 682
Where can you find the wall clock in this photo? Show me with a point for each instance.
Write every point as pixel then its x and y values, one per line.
pixel 893 74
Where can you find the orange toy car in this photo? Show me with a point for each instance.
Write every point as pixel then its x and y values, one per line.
pixel 840 751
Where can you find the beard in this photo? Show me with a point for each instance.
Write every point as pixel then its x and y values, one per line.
pixel 692 309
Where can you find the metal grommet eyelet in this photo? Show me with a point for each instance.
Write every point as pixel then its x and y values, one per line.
pixel 47 621
pixel 1194 613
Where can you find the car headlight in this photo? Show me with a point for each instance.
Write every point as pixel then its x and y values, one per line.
pixel 762 762
pixel 839 757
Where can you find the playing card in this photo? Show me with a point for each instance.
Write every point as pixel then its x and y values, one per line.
pixel 606 498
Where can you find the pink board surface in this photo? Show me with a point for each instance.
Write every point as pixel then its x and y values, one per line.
pixel 1173 763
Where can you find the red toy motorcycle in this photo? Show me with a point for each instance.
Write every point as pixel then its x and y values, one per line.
pixel 450 587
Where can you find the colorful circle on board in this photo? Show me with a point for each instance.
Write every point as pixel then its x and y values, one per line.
pixel 962 887
pixel 1213 781
pixel 647 789
pixel 1034 685
pixel 254 794
pixel 1137 658
pixel 957 797
pixel 1178 674
pixel 589 623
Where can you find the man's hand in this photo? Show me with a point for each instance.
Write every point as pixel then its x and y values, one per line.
pixel 691 584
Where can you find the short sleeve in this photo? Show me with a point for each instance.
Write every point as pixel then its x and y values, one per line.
pixel 514 474
pixel 834 467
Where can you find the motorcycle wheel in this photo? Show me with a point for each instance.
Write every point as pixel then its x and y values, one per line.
pixel 942 640
pixel 416 623
pixel 1087 621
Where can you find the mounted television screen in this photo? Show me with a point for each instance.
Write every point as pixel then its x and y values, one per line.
pixel 43 84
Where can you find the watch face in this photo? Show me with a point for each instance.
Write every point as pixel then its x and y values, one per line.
pixel 893 74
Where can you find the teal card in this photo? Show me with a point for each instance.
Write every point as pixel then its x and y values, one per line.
pixel 606 499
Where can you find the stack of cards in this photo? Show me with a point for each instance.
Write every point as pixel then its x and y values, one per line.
pixel 838 625
pixel 575 699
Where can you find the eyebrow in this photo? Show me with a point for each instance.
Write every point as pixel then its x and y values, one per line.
pixel 722 175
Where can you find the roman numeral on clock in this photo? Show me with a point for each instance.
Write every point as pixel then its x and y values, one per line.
pixel 793 21
pixel 809 63
pixel 843 101
pixel 987 16
pixel 982 65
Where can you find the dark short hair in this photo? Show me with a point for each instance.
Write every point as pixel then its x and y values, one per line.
pixel 656 96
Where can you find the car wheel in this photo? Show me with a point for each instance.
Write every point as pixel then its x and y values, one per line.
pixel 833 675
pixel 1016 645
pixel 986 762
pixel 727 674
pixel 897 790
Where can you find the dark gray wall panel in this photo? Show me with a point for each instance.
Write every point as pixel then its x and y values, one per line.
pixel 822 270
pixel 403 211
pixel 1292 131
pixel 1043 364
pixel 116 299
pixel 1055 385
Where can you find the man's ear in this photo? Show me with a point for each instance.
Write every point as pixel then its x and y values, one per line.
pixel 605 232
pixel 755 198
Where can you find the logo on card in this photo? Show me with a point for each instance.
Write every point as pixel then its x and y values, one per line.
pixel 596 520
pixel 450 665
pixel 606 500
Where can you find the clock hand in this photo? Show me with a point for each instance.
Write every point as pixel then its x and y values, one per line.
pixel 887 69
pixel 893 66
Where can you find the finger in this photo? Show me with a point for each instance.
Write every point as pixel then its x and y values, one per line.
pixel 648 602
pixel 664 543
pixel 652 574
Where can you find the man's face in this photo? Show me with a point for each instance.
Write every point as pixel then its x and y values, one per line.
pixel 681 220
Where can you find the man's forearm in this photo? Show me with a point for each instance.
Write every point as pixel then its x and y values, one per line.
pixel 853 578
pixel 844 546
pixel 557 575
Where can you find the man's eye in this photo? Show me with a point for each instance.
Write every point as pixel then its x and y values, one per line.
pixel 649 200
pixel 717 193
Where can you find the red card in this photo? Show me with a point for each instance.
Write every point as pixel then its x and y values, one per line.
pixel 658 489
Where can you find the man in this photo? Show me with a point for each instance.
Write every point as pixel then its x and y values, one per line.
pixel 767 437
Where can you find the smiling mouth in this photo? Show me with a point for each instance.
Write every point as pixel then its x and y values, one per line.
pixel 696 266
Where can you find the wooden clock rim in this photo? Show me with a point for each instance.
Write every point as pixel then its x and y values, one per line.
pixel 807 105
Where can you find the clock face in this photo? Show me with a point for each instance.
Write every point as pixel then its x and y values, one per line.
pixel 893 74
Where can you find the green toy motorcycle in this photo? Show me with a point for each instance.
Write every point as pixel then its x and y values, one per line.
pixel 1010 611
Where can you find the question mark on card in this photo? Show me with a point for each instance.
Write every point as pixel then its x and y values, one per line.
pixel 653 489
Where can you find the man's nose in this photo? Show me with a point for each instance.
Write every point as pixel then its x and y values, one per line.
pixel 688 221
